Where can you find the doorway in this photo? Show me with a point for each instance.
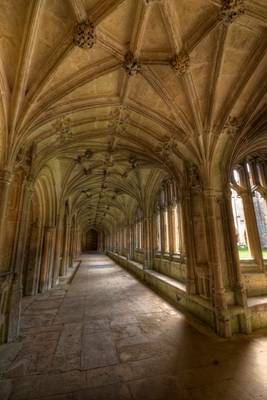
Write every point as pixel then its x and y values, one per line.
pixel 91 240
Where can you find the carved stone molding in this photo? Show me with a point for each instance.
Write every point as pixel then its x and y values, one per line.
pixel 107 162
pixel 5 176
pixel 231 9
pixel 180 63
pixel 25 157
pixel 84 35
pixel 131 64
pixel 118 121
pixel 29 183
pixel 232 126
pixel 166 148
pixel 194 178
pixel 62 127
pixel 85 161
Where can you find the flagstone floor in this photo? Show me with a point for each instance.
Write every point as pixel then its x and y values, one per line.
pixel 108 337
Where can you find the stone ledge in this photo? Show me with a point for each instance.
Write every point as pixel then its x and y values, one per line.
pixel 195 307
pixel 254 302
pixel 166 279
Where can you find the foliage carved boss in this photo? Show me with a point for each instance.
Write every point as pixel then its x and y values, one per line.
pixel 231 9
pixel 180 63
pixel 131 64
pixel 166 148
pixel 119 119
pixel 62 127
pixel 25 157
pixel 84 35
pixel 85 161
pixel 232 126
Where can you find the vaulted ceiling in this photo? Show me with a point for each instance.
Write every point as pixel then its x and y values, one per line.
pixel 116 94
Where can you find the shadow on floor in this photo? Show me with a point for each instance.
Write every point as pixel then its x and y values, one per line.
pixel 109 337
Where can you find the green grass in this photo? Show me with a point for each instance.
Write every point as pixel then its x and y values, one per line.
pixel 245 255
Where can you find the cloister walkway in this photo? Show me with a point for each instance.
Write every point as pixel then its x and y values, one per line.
pixel 106 336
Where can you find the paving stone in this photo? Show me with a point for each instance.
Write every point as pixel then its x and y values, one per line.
pixel 8 353
pixel 5 389
pixel 109 337
pixel 98 351
pixel 17 369
pixel 98 325
pixel 159 388
pixel 110 392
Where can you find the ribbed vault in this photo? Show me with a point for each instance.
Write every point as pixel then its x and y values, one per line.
pixel 153 86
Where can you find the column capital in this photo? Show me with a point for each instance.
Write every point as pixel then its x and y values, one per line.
pixel 29 183
pixel 245 194
pixel 6 176
pixel 214 194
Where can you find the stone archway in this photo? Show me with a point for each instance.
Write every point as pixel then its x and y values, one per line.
pixel 92 240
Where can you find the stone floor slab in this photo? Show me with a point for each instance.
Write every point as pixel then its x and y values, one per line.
pixel 106 336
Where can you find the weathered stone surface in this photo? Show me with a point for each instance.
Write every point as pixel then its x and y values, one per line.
pixel 98 351
pixel 5 389
pixel 8 353
pixel 110 392
pixel 153 355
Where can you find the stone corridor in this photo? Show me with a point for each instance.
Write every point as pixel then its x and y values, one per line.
pixel 106 336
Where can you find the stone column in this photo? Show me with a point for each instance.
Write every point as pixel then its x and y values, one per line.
pixel 113 241
pixel 128 240
pixel 216 247
pixel 46 258
pixel 233 263
pixel 250 216
pixel 14 308
pixel 22 227
pixel 131 241
pixel 181 232
pixel 80 242
pixel 254 172
pixel 33 261
pixel 71 246
pixel 66 249
pixel 232 251
pixel 262 174
pixel 58 248
pixel 77 242
pixel 18 260
pixel 99 239
pixel 162 230
pixel 147 237
pixel 171 228
pixel 187 223
pixel 120 241
pixel 5 183
pixel 51 264
pixel 252 228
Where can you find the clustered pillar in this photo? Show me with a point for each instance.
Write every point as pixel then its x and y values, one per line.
pixel 37 246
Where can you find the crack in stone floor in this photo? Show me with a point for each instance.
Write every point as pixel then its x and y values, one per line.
pixel 106 336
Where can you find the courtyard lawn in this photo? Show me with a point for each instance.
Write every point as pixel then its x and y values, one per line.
pixel 245 255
